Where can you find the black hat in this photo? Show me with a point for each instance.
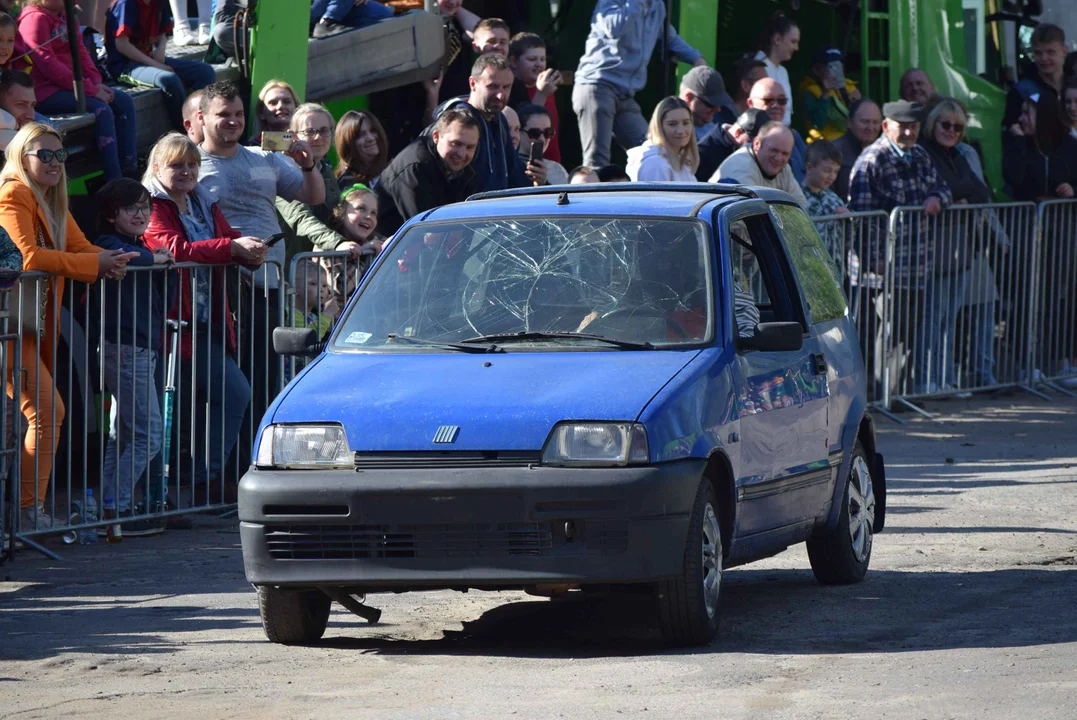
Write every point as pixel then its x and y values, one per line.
pixel 752 121
pixel 903 111
pixel 826 55
pixel 706 83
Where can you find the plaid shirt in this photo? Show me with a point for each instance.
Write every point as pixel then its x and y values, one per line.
pixel 884 178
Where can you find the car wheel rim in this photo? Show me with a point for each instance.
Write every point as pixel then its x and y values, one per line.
pixel 861 508
pixel 712 560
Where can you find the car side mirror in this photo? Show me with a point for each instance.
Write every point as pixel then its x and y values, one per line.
pixel 774 337
pixel 296 342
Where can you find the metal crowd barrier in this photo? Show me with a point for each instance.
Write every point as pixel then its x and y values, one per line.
pixel 960 314
pixel 157 432
pixel 10 347
pixel 320 284
pixel 857 242
pixel 1054 361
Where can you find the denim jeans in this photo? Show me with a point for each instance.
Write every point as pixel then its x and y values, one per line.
pixel 944 296
pixel 188 76
pixel 348 13
pixel 222 389
pixel 135 435
pixel 604 116
pixel 114 126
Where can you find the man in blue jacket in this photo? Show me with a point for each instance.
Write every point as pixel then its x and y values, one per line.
pixel 614 68
pixel 496 164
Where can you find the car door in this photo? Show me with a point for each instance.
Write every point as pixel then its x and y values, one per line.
pixel 782 397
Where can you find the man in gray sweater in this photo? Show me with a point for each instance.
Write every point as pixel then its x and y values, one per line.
pixel 765 162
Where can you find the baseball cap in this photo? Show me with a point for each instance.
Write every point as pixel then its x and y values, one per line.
pixel 826 55
pixel 707 84
pixel 903 111
pixel 752 121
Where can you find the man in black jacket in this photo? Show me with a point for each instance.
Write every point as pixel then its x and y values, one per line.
pixel 724 140
pixel 497 166
pixel 434 170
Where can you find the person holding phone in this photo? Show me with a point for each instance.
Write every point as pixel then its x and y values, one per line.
pixel 34 211
pixel 527 56
pixel 536 135
pixel 826 96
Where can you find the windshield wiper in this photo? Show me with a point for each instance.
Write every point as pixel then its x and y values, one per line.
pixel 548 335
pixel 489 348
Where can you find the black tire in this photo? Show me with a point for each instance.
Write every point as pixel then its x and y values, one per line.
pixel 683 614
pixel 841 555
pixel 293 617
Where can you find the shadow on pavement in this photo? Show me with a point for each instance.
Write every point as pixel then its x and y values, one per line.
pixel 776 611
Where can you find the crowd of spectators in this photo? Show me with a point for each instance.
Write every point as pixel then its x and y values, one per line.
pixel 209 193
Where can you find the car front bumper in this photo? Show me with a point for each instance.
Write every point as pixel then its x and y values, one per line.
pixel 486 527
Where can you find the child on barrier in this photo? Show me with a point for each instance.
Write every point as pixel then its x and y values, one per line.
pixel 135 37
pixel 132 315
pixel 356 218
pixel 822 163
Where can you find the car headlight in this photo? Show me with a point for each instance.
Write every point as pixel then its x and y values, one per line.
pixel 304 447
pixel 596 444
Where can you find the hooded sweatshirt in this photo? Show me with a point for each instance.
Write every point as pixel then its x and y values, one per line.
pixel 650 163
pixel 496 164
pixel 45 35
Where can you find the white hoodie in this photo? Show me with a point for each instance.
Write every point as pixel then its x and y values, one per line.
pixel 649 163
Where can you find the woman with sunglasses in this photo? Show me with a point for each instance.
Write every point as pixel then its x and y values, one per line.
pixel 33 210
pixel 960 249
pixel 308 226
pixel 536 127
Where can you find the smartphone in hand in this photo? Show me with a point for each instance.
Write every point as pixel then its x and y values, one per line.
pixel 277 141
pixel 537 149
pixel 273 239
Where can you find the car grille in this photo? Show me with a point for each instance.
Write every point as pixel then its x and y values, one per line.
pixel 472 540
pixel 446 460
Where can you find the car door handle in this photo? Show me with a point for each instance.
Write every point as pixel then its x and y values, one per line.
pixel 818 363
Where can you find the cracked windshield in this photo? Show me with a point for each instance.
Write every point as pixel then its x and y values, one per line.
pixel 603 282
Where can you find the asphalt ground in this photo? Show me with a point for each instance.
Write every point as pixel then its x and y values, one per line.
pixel 969 611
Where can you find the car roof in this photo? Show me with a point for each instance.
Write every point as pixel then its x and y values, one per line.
pixel 617 199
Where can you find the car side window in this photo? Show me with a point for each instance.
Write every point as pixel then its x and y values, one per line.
pixel 756 289
pixel 814 266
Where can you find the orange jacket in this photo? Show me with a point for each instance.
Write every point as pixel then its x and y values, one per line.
pixel 21 215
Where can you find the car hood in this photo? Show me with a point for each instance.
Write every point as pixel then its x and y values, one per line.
pixel 507 401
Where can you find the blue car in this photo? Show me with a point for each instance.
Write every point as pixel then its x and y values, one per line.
pixel 605 387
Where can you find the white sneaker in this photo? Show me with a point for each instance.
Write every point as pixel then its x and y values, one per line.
pixel 203 34
pixel 35 519
pixel 182 35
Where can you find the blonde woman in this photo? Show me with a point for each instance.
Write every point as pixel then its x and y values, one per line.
pixel 308 225
pixel 33 210
pixel 276 104
pixel 670 153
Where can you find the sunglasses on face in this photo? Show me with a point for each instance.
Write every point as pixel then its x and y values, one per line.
pixel 47 156
pixel 951 126
pixel 780 101
pixel 536 133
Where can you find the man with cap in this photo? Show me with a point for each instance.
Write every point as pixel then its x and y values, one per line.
pixel 892 172
pixel 724 140
pixel 704 91
pixel 826 95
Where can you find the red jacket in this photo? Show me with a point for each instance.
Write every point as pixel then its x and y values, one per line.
pixel 50 62
pixel 166 230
